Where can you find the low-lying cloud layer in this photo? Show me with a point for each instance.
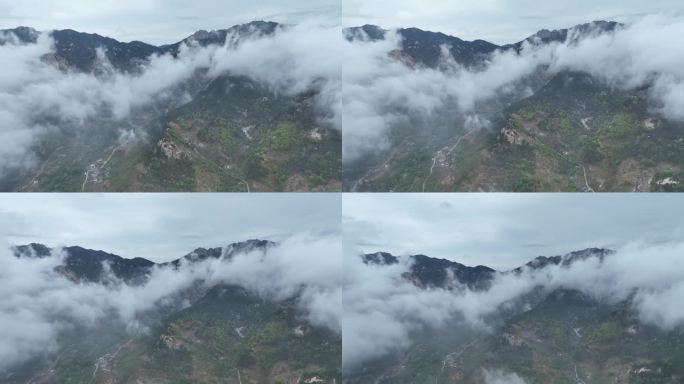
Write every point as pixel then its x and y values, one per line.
pixel 382 309
pixel 36 97
pixel 380 92
pixel 38 302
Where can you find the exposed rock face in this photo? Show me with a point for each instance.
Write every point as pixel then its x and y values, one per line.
pixel 171 342
pixel 513 340
pixel 512 136
pixel 170 149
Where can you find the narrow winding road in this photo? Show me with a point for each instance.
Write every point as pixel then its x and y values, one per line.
pixel 448 153
pixel 85 181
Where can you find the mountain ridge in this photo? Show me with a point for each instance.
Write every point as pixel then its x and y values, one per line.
pixel 25 32
pixel 425 45
pixel 81 48
pixel 87 264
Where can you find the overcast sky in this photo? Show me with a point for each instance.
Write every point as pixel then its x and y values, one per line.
pixel 158 21
pixel 507 230
pixel 498 21
pixel 162 227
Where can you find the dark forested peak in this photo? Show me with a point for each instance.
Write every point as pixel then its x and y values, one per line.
pixel 248 246
pixel 438 272
pixel 568 35
pixel 584 254
pixel 365 32
pixel 89 265
pixel 542 261
pixel 380 258
pixel 227 252
pixel 567 259
pixel 597 26
pixel 31 250
pixel 205 38
pixel 426 47
pixel 23 34
pixel 200 254
pixel 81 50
pixel 427 271
pixel 416 35
pixel 218 36
pixel 93 265
pixel 264 27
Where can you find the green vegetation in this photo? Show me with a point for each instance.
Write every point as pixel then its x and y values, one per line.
pixel 284 136
pixel 208 342
pixel 233 133
pixel 66 180
pixel 607 332
pixel 621 125
pixel 524 183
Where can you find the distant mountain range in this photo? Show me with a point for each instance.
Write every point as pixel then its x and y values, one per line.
pixel 226 132
pixel 425 47
pixel 221 333
pixel 555 336
pixel 557 131
pixel 427 272
pixel 79 50
pixel 88 265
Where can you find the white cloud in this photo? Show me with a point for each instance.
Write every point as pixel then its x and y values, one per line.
pixel 501 377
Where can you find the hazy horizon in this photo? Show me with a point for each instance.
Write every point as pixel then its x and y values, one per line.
pixel 158 21
pixel 496 21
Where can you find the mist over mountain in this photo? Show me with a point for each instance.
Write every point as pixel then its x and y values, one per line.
pixel 251 107
pixel 594 107
pixel 252 311
pixel 592 315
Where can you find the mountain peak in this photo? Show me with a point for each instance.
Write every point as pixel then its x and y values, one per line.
pixel 428 271
pixel 87 264
pixel 22 33
pixel 31 250
pixel 572 34
pixel 380 258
